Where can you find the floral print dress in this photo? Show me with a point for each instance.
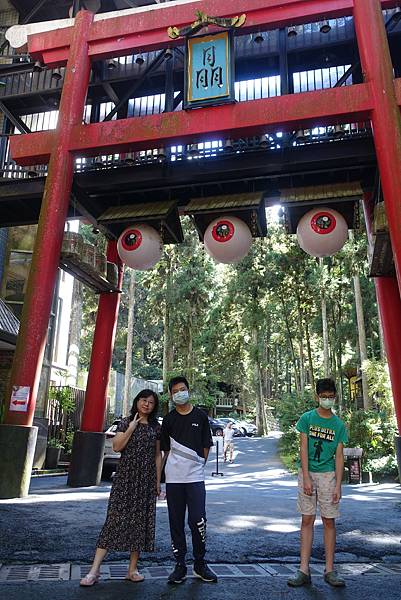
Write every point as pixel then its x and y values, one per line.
pixel 131 513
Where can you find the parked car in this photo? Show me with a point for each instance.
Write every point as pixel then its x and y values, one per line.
pixel 111 459
pixel 249 429
pixel 216 426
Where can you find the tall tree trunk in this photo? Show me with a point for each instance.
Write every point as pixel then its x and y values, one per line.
pixel 74 333
pixel 260 417
pixel 310 360
pixel 383 355
pixel 363 355
pixel 325 331
pixel 168 347
pixel 337 351
pixel 326 360
pixel 130 337
pixel 301 346
pixel 190 359
pixel 275 390
pixel 291 344
pixel 262 401
pixel 301 366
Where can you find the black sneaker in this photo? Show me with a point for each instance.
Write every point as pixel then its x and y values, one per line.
pixel 178 575
pixel 202 571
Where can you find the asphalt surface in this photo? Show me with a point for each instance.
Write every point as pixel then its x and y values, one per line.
pixel 251 517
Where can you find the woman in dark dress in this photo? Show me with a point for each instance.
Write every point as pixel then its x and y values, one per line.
pixel 130 521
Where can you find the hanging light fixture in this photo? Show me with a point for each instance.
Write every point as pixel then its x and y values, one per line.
pixel 129 159
pixel 300 135
pixel 324 26
pixel 161 154
pixel 168 55
pixel 139 60
pixel 56 74
pixel 338 131
pixel 228 145
pixel 292 32
pixel 264 141
pixel 32 172
pixel 258 38
pixel 38 66
pixel 111 65
pixel 193 150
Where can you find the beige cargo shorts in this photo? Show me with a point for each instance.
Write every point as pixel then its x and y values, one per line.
pixel 323 485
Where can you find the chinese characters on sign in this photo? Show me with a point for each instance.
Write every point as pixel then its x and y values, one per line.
pixel 209 72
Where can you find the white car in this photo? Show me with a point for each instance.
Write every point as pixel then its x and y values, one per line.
pixel 111 459
pixel 248 428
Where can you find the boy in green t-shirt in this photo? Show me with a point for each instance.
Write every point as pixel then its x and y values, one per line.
pixel 322 439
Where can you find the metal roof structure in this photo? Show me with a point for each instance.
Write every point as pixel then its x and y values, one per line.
pixel 9 327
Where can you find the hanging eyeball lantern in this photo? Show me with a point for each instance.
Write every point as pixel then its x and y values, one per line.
pixel 140 247
pixel 322 232
pixel 227 239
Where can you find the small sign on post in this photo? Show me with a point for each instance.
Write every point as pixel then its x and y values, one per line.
pixel 20 398
pixel 209 70
pixel 353 457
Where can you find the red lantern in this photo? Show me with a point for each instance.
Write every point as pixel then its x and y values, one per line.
pixel 227 239
pixel 322 232
pixel 140 247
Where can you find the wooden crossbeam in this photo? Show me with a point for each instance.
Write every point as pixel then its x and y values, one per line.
pixel 254 117
pixel 146 30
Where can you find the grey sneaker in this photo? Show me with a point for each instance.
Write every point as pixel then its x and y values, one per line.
pixel 333 579
pixel 300 579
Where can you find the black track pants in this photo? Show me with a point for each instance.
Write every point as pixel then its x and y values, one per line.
pixel 179 497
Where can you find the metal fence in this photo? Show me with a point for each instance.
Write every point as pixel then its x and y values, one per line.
pixel 61 421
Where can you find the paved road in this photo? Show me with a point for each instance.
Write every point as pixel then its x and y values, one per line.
pixel 251 517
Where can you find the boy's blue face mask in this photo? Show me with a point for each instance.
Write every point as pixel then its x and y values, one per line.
pixel 181 397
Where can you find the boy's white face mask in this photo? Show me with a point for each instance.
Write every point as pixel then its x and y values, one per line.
pixel 327 402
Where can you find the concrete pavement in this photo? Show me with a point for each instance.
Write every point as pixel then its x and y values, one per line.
pixel 238 589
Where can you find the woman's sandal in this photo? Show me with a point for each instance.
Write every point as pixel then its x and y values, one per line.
pixel 135 577
pixel 89 580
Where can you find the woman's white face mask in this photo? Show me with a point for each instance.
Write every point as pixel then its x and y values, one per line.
pixel 181 397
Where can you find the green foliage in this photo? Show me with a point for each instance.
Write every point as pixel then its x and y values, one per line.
pixel 54 443
pixel 373 431
pixel 288 411
pixel 386 466
pixel 63 396
pixel 69 438
pixel 379 384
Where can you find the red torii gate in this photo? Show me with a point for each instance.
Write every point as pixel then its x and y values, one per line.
pixel 377 99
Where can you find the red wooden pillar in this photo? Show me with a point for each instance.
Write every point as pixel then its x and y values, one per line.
pixel 386 124
pixel 102 351
pixel 17 436
pixel 386 121
pixel 389 303
pixel 88 447
pixel 31 341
